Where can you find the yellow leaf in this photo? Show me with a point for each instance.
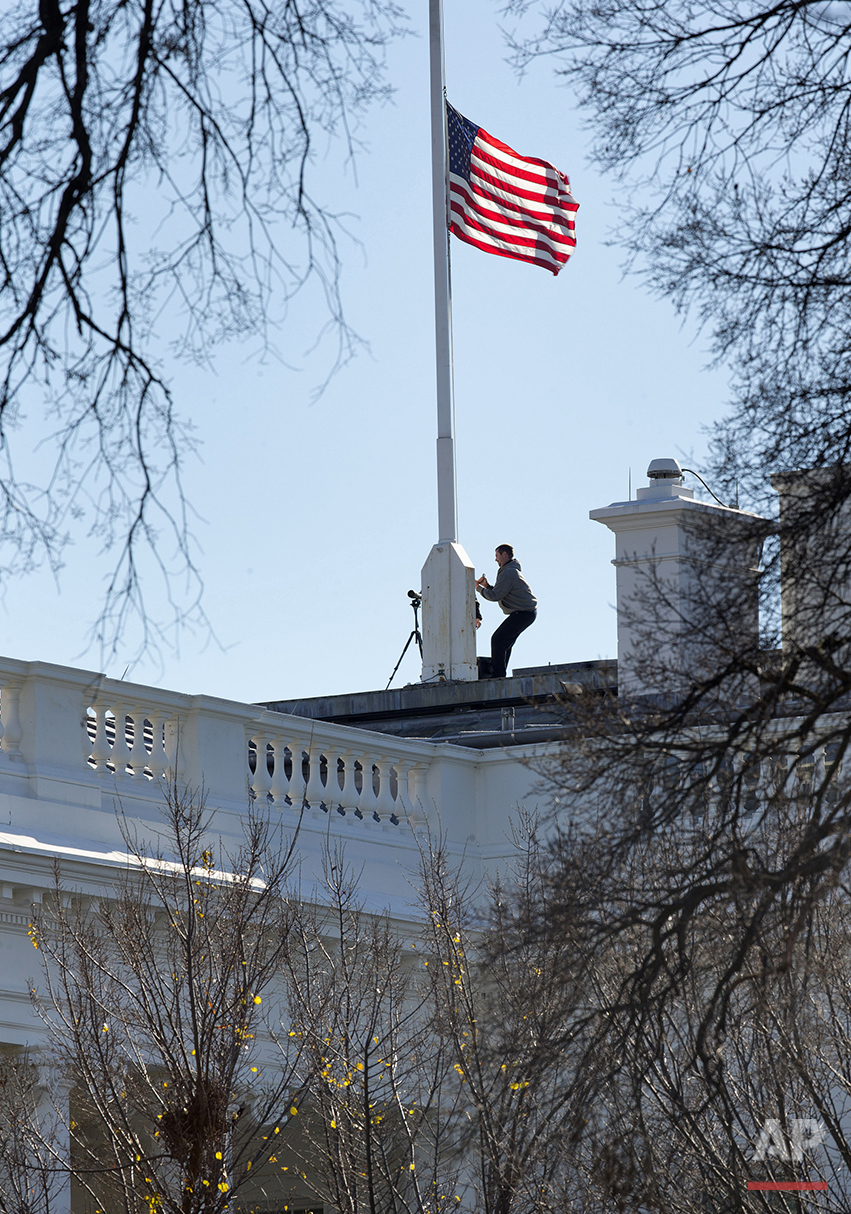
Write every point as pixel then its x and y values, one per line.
pixel 257 999
pixel 293 1111
pixel 218 1154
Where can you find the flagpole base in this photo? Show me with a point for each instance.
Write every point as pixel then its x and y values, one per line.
pixel 449 615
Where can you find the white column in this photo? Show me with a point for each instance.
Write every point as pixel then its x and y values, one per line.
pixel 54 1126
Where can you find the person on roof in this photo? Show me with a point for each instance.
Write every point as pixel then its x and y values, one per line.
pixel 515 597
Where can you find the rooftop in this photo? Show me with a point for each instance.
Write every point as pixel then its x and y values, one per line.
pixel 527 706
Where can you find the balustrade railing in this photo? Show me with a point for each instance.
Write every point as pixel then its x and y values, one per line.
pixel 74 737
pixel 129 741
pixel 289 762
pixel 370 784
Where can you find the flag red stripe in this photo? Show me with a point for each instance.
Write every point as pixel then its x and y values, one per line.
pixel 551 198
pixel 515 211
pixel 785 1186
pixel 546 182
pixel 510 152
pixel 513 240
pixel 511 223
pixel 519 233
pixel 488 248
pixel 542 256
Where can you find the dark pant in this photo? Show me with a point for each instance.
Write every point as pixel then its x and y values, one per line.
pixel 503 639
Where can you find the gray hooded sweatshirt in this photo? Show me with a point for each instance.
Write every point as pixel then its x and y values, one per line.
pixel 511 590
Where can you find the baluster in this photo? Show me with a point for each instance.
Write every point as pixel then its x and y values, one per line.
pixel 349 795
pixel 11 727
pixel 384 805
pixel 819 770
pixel 100 750
pixel 296 789
pixel 174 749
pixel 138 752
pixel 90 725
pixel 404 808
pixel 368 800
pixel 279 785
pixel 120 748
pixel 332 779
pixel 839 768
pixel 415 791
pixel 315 792
pixel 261 783
pixel 158 759
pixel 763 787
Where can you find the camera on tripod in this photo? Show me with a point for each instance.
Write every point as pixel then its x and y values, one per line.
pixel 416 602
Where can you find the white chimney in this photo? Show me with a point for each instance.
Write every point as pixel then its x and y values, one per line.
pixel 686 583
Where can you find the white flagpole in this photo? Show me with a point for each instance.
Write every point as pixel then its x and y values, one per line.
pixel 449 597
pixel 447 511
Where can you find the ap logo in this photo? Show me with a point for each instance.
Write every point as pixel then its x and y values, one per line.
pixel 803 1134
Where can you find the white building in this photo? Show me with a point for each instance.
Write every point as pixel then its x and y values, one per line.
pixel 446 758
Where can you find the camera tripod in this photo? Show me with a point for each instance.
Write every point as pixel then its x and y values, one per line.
pixel 416 635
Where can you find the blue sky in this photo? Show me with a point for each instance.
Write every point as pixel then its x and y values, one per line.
pixel 314 517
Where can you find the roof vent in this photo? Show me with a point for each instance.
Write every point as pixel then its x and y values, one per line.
pixel 664 470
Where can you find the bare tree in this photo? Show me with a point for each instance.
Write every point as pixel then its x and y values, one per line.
pixel 381 1124
pixel 508 1004
pixel 729 126
pixel 33 1164
pixel 769 1101
pixel 153 999
pixel 155 163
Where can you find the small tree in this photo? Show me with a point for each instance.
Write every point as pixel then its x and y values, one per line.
pixel 511 1007
pixel 433 1055
pixel 153 1002
pixel 382 1117
pixel 33 1163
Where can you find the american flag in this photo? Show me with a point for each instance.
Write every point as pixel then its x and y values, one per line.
pixel 511 205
